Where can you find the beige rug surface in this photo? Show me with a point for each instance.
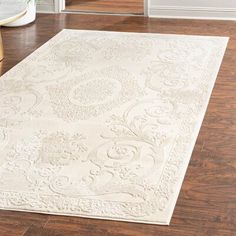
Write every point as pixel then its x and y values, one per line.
pixel 103 124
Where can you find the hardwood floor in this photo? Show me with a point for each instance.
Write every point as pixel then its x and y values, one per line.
pixel 207 202
pixel 108 6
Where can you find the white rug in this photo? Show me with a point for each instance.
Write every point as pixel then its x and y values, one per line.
pixel 103 124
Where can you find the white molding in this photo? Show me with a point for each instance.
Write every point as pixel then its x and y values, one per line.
pixel 182 12
pixel 59 5
pixel 192 12
pixel 146 4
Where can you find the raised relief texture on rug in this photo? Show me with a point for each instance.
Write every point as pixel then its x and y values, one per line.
pixel 102 124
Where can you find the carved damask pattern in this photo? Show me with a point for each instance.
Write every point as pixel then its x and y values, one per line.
pixel 102 124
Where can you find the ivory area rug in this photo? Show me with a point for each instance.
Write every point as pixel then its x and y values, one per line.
pixel 103 124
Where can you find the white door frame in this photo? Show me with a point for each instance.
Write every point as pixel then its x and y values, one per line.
pixel 60 6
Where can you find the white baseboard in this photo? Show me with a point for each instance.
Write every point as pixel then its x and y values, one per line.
pixel 192 12
pixel 180 12
pixel 45 8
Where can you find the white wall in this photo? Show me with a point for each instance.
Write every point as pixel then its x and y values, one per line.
pixel 218 9
pixel 46 6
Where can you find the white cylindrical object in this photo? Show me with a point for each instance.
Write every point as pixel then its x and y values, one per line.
pixel 29 16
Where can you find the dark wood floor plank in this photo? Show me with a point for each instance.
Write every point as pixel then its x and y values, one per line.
pixel 109 6
pixel 12 229
pixel 207 202
pixel 23 218
pixel 12 223
pixel 39 231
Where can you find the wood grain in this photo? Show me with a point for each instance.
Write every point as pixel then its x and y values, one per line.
pixel 108 6
pixel 1 46
pixel 207 202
